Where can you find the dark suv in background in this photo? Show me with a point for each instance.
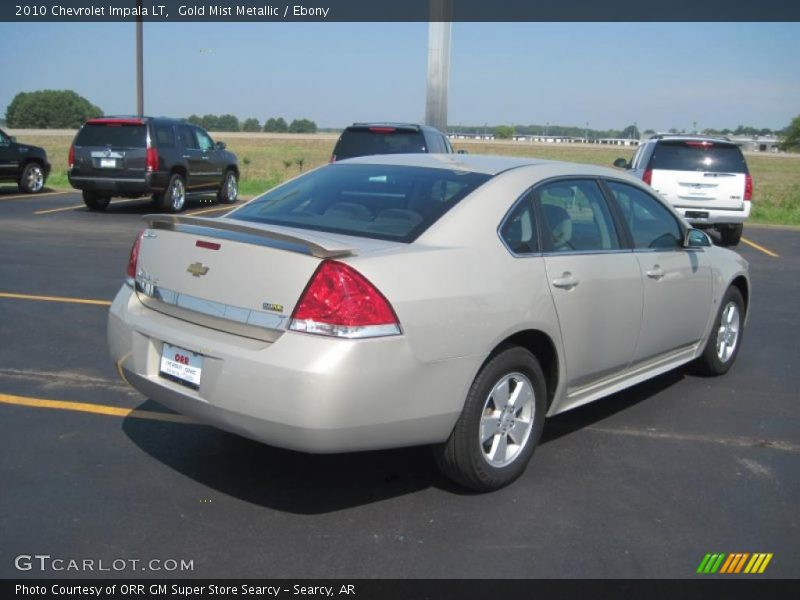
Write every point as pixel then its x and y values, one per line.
pixel 363 139
pixel 25 165
pixel 166 158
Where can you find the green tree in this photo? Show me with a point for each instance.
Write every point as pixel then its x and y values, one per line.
pixel 302 126
pixel 792 139
pixel 503 132
pixel 210 122
pixel 50 109
pixel 280 125
pixel 228 123
pixel 195 120
pixel 251 124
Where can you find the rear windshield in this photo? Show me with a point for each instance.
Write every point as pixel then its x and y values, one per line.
pixel 364 143
pixel 374 201
pixel 121 136
pixel 698 156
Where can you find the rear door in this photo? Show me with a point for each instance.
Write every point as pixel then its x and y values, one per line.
pixel 594 280
pixel 111 149
pixel 211 159
pixel 699 174
pixel 193 158
pixel 8 159
pixel 676 281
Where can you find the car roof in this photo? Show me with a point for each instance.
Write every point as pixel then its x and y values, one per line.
pixel 689 137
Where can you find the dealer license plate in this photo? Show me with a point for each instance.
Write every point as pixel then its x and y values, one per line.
pixel 183 366
pixel 108 163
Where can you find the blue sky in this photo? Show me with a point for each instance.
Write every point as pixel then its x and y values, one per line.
pixel 660 75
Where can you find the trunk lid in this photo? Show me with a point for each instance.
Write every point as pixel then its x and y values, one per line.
pixel 111 148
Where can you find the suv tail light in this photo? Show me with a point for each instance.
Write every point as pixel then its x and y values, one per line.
pixel 71 156
pixel 133 260
pixel 748 187
pixel 647 176
pixel 151 160
pixel 340 302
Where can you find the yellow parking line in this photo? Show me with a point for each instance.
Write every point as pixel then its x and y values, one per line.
pixel 76 206
pixel 761 248
pixel 97 409
pixel 31 196
pixel 54 299
pixel 215 209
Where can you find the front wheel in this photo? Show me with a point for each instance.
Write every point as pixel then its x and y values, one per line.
pixel 500 425
pixel 32 179
pixel 174 197
pixel 730 234
pixel 94 201
pixel 229 190
pixel 725 338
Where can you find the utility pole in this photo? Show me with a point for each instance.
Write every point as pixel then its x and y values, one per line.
pixel 139 63
pixel 439 32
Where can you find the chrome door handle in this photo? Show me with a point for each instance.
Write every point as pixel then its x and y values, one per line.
pixel 186 156
pixel 566 281
pixel 656 272
pixel 205 158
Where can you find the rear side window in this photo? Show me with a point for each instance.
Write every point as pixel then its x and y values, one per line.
pixel 650 223
pixel 519 229
pixel 116 135
pixel 187 138
pixel 374 201
pixel 364 142
pixel 698 155
pixel 165 136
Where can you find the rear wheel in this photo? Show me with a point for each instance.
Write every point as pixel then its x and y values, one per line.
pixel 725 338
pixel 730 234
pixel 229 190
pixel 174 197
pixel 32 180
pixel 500 425
pixel 95 202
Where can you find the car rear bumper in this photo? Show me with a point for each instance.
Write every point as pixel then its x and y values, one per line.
pixel 152 182
pixel 302 392
pixel 699 216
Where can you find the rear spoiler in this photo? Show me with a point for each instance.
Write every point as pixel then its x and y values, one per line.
pixel 327 249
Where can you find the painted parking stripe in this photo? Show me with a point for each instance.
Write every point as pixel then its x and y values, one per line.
pixel 209 210
pixel 77 206
pixel 54 299
pixel 760 248
pixel 31 196
pixel 97 409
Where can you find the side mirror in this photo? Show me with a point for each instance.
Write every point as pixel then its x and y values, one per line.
pixel 220 145
pixel 621 163
pixel 696 238
pixel 463 152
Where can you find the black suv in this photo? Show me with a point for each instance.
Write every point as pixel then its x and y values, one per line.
pixel 25 165
pixel 363 139
pixel 132 157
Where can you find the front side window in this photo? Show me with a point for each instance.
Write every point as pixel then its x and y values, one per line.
pixel 649 221
pixel 3 138
pixel 204 141
pixel 519 229
pixel 576 217
pixel 385 202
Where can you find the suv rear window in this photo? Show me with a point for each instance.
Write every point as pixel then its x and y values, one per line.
pixel 363 142
pixel 691 155
pixel 375 201
pixel 122 136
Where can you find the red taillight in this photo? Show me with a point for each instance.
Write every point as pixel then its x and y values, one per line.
pixel 151 162
pixel 382 129
pixel 703 144
pixel 647 176
pixel 340 302
pixel 748 187
pixel 133 259
pixel 71 156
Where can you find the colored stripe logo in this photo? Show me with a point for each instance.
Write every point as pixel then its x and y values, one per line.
pixel 737 562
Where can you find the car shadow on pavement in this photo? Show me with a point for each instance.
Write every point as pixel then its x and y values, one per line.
pixel 301 483
pixel 12 189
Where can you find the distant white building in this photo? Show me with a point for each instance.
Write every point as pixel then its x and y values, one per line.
pixel 758 143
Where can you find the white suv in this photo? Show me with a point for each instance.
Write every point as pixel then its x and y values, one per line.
pixel 704 178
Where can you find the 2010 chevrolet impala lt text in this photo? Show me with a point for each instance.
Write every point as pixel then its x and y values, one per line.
pixel 399 300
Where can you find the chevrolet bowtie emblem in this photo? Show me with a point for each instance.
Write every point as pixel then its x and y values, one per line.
pixel 197 269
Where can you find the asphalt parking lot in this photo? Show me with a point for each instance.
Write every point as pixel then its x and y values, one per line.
pixel 642 484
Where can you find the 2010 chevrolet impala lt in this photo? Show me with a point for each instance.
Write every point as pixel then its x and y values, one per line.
pixel 398 300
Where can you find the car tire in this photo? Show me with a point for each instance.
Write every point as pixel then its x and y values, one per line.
pixel 730 234
pixel 32 179
pixel 229 190
pixel 95 202
pixel 174 197
pixel 725 337
pixel 500 424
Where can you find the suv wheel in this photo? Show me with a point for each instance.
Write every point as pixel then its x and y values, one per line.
pixel 229 190
pixel 32 180
pixel 174 198
pixel 95 202
pixel 500 425
pixel 730 234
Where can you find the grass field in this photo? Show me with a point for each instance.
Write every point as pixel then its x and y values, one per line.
pixel 265 162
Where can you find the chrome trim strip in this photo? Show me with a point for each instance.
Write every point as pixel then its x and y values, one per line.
pixel 107 179
pixel 708 208
pixel 584 252
pixel 246 322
